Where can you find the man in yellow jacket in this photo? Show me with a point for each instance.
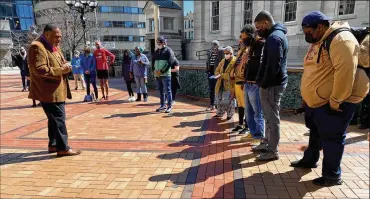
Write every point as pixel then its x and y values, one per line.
pixel 332 86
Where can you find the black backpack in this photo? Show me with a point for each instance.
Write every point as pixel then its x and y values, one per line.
pixel 359 33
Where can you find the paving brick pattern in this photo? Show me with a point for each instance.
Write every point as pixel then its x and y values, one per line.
pixel 129 151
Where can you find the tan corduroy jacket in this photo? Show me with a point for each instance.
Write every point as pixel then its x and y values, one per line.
pixel 226 75
pixel 48 83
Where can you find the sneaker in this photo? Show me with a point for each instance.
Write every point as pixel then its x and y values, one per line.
pixel 237 128
pixel 327 182
pixel 145 99
pixel 162 108
pixel 260 147
pixel 248 137
pixel 268 156
pixel 168 110
pixel 244 131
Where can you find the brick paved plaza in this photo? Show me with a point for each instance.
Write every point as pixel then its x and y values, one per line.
pixel 129 151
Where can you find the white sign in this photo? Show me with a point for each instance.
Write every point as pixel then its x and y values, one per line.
pixel 108 45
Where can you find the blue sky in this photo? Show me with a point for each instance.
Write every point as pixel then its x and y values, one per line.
pixel 188 6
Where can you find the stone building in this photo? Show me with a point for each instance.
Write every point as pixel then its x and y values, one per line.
pixel 223 20
pixel 164 18
pixel 189 26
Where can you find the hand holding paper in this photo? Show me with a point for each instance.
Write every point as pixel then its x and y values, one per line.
pixel 215 77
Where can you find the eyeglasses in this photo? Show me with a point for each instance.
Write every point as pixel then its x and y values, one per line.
pixel 227 53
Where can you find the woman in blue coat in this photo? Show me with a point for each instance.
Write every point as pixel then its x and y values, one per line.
pixel 77 71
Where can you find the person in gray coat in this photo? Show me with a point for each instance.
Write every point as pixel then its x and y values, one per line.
pixel 215 55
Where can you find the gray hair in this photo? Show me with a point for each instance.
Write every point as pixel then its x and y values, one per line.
pixel 229 48
pixel 216 42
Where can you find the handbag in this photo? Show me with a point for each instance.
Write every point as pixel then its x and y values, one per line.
pixel 226 95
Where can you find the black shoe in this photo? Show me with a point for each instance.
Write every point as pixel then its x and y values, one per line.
pixel 237 128
pixel 299 164
pixel 217 116
pixel 24 89
pixel 33 105
pixel 327 182
pixel 138 99
pixel 228 118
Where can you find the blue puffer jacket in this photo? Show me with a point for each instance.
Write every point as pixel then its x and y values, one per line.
pixel 88 63
pixel 273 69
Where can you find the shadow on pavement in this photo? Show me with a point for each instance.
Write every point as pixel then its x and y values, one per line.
pixel 13 158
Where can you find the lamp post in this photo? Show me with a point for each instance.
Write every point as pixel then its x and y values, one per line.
pixel 82 7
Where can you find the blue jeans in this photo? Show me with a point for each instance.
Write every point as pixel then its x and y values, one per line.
pixel 270 101
pixel 253 110
pixel 164 87
pixel 328 131
pixel 140 85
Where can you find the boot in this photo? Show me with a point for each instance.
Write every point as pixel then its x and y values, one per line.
pixel 145 97
pixel 138 97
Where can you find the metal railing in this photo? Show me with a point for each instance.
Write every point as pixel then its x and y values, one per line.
pixel 202 54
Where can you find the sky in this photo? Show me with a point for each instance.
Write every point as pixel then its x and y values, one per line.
pixel 188 6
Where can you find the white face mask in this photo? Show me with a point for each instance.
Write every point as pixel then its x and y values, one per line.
pixel 160 46
pixel 228 56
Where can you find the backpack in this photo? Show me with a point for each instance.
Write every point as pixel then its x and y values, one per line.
pixel 359 33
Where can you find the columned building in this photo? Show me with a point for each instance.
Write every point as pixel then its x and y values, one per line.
pixel 189 25
pixel 223 20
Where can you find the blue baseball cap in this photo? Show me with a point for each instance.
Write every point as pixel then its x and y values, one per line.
pixel 313 18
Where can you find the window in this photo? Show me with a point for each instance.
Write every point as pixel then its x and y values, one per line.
pixel 129 24
pixel 107 24
pixel 215 20
pixel 248 11
pixel 142 39
pixel 117 9
pixel 135 10
pixel 290 10
pixel 140 25
pixel 127 9
pixel 130 38
pixel 168 23
pixel 346 7
pixel 105 9
pixel 151 25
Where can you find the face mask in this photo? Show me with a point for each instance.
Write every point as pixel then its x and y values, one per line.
pixel 247 42
pixel 227 56
pixel 22 52
pixel 98 47
pixel 87 52
pixel 264 33
pixel 160 46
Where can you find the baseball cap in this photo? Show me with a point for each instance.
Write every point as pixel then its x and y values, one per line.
pixel 313 18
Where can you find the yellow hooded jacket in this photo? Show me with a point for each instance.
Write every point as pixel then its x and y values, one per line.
pixel 334 79
pixel 225 75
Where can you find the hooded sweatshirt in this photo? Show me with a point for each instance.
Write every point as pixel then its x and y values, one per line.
pixel 273 69
pixel 334 79
pixel 162 60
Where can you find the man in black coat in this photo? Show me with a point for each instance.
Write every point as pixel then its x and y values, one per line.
pixel 21 61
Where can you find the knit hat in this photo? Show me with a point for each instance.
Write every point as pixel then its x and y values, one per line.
pixel 215 42
pixel 229 49
pixel 141 49
pixel 162 40
pixel 313 18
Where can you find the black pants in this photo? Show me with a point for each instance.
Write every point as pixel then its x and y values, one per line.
pixel 57 130
pixel 364 117
pixel 129 88
pixel 91 78
pixel 24 82
pixel 212 87
pixel 174 87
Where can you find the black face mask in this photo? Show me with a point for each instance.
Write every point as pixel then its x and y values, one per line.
pixel 247 42
pixel 22 53
pixel 309 38
pixel 264 33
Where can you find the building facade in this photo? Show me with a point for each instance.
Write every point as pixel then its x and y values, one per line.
pixel 16 18
pixel 223 20
pixel 189 26
pixel 165 17
pixel 120 24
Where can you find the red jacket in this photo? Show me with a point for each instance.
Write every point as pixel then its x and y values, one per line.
pixel 101 58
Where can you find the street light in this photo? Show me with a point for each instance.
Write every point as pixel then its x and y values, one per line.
pixel 82 7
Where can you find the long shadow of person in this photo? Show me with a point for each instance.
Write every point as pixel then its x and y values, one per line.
pixel 13 158
pixel 129 115
pixel 269 185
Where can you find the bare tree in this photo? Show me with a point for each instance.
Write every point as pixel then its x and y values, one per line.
pixel 71 25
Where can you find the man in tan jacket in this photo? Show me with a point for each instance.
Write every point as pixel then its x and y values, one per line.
pixel 332 86
pixel 49 85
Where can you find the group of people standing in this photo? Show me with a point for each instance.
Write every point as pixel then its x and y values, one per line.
pixel 333 84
